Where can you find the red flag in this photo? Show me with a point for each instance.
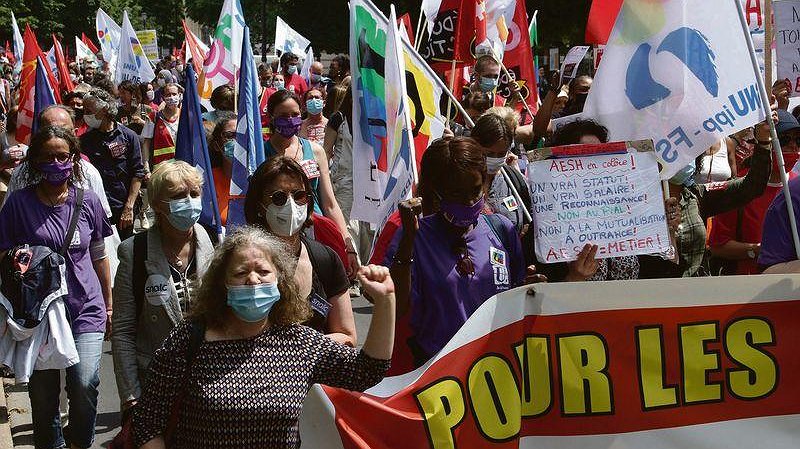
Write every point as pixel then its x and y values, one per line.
pixel 464 44
pixel 601 20
pixel 405 20
pixel 88 41
pixel 27 90
pixel 518 59
pixel 192 46
pixel 66 84
pixel 480 21
pixel 438 49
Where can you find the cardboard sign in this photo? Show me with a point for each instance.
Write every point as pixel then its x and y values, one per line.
pixel 787 42
pixel 607 195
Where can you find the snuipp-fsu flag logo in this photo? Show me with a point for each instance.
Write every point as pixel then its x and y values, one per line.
pixel 678 72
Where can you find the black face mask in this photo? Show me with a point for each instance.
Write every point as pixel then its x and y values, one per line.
pixel 78 113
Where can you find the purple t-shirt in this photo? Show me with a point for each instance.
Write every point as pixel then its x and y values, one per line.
pixel 776 234
pixel 25 219
pixel 441 299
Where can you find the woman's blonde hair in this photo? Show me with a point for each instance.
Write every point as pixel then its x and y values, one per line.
pixel 510 117
pixel 171 173
pixel 210 303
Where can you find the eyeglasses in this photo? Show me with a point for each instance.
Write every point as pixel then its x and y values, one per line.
pixel 785 140
pixel 280 197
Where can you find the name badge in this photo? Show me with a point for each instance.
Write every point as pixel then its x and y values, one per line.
pixel 117 149
pixel 311 168
pixel 510 203
pixel 320 305
pixel 497 256
pixel 156 290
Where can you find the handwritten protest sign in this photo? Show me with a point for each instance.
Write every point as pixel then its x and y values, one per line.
pixel 569 69
pixel 787 42
pixel 608 195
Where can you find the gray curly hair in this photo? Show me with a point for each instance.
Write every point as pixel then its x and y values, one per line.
pixel 105 101
pixel 210 300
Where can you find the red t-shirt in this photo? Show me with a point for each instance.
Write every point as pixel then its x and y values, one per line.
pixel 327 233
pixel 724 229
pixel 296 84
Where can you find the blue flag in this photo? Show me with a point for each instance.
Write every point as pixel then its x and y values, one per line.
pixel 249 150
pixel 43 95
pixel 192 148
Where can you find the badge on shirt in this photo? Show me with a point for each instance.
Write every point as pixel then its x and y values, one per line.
pixel 117 149
pixel 497 256
pixel 320 305
pixel 500 275
pixel 510 203
pixel 76 240
pixel 156 290
pixel 311 168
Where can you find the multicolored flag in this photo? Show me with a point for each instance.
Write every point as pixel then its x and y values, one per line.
pixel 220 65
pixel 249 151
pixel 89 43
pixel 192 148
pixel 195 50
pixel 19 45
pixel 44 93
pixel 109 35
pixel 677 72
pixel 64 80
pixel 132 63
pixel 32 58
pixel 399 142
pixel 426 94
pixel 289 40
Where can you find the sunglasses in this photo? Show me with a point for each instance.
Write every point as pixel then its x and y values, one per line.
pixel 785 140
pixel 280 197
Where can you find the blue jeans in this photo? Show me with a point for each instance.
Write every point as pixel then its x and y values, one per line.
pixel 82 381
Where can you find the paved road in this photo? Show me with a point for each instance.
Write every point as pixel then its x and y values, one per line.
pixel 108 406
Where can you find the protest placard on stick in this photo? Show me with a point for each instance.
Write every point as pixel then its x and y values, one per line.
pixel 787 42
pixel 608 195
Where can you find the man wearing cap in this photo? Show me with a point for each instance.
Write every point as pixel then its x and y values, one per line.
pixel 736 235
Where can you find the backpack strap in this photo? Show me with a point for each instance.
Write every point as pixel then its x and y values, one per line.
pixel 139 271
pixel 519 185
pixel 73 224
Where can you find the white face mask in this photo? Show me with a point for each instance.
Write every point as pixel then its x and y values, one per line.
pixel 286 220
pixel 151 94
pixel 493 164
pixel 92 121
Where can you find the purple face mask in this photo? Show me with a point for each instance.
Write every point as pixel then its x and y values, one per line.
pixel 461 215
pixel 287 126
pixel 55 172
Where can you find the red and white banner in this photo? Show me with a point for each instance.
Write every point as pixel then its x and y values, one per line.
pixel 680 363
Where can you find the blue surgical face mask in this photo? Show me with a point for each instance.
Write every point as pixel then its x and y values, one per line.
pixel 488 84
pixel 684 177
pixel 278 85
pixel 252 303
pixel 292 69
pixel 228 149
pixel 184 212
pixel 314 106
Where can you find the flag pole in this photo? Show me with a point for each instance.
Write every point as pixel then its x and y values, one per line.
pixel 418 31
pixel 769 36
pixel 452 85
pixel 524 103
pixel 776 145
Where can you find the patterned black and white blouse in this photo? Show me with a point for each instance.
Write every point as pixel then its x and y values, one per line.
pixel 245 393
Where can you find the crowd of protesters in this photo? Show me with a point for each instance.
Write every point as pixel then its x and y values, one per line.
pixel 233 331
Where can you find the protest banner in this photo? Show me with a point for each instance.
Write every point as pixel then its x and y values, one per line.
pixel 650 86
pixel 554 59
pixel 149 42
pixel 666 364
pixel 608 195
pixel 787 42
pixel 572 62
